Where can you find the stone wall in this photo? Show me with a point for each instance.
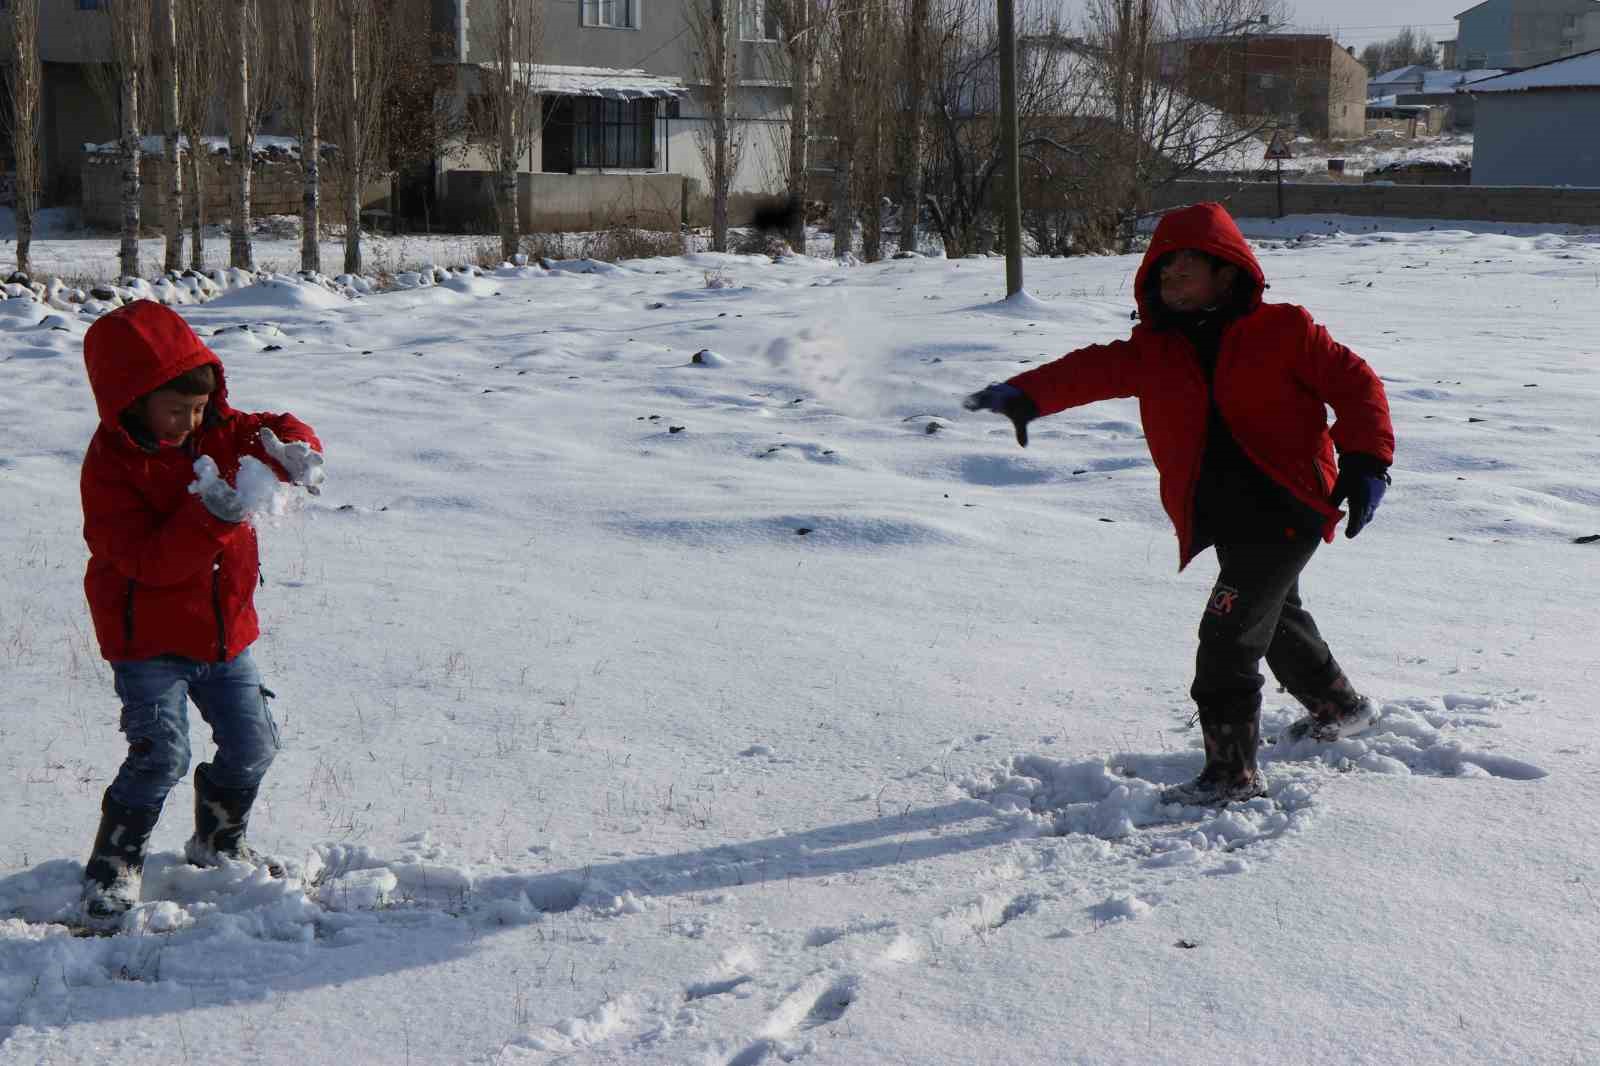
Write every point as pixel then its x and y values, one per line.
pixel 1258 199
pixel 276 189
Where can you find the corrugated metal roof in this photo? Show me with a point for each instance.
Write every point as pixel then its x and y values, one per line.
pixel 1581 71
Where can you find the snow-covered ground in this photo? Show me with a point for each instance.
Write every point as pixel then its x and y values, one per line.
pixel 765 707
pixel 1311 157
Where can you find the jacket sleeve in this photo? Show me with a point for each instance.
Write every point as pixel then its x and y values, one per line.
pixel 151 548
pixel 1344 381
pixel 1098 372
pixel 247 435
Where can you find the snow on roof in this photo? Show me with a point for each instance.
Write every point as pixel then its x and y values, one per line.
pixel 551 80
pixel 1430 79
pixel 1581 71
pixel 266 145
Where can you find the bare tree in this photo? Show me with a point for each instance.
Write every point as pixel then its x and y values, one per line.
pixel 168 84
pixel 365 67
pixel 965 151
pixel 306 26
pixel 118 84
pixel 713 31
pixel 508 113
pixel 244 40
pixel 880 30
pixel 24 77
pixel 1404 49
pixel 912 131
pixel 794 63
pixel 1161 131
pixel 201 47
pixel 845 61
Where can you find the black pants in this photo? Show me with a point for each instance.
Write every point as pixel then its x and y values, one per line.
pixel 1255 612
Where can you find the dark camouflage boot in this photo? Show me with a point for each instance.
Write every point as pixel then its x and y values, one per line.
pixel 1230 776
pixel 1335 712
pixel 221 816
pixel 114 873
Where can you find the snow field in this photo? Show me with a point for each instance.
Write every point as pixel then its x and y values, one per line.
pixel 827 726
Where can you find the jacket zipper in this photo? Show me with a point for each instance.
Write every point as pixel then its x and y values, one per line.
pixel 216 604
pixel 127 614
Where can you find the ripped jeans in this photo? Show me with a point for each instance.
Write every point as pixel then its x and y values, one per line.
pixel 155 696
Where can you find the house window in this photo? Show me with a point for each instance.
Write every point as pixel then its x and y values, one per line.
pixel 598 133
pixel 616 14
pixel 88 5
pixel 758 20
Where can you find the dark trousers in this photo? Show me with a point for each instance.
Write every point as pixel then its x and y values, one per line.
pixel 1255 612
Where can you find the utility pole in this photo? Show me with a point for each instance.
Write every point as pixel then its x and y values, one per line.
pixel 1011 187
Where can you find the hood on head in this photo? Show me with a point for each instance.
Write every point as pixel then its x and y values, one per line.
pixel 1202 227
pixel 138 348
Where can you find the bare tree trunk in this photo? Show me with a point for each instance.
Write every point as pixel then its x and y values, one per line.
pixel 908 146
pixel 310 138
pixel 197 206
pixel 25 76
pixel 352 141
pixel 201 52
pixel 843 221
pixel 721 179
pixel 799 154
pixel 130 30
pixel 169 123
pixel 242 137
pixel 505 185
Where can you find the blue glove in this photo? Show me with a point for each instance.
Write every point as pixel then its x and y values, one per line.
pixel 1362 480
pixel 1007 400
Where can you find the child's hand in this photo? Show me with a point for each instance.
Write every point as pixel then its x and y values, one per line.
pixel 220 498
pixel 1007 400
pixel 304 466
pixel 1362 480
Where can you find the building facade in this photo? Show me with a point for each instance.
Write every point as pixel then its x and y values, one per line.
pixel 1307 80
pixel 623 97
pixel 1513 34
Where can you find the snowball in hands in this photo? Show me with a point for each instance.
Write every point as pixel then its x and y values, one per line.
pixel 259 491
pixel 303 465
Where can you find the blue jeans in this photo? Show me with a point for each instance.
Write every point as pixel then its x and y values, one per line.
pixel 155 696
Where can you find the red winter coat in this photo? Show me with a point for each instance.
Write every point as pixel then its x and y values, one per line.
pixel 1276 372
pixel 165 576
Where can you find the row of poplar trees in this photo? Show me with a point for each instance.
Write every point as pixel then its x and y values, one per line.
pixel 328 63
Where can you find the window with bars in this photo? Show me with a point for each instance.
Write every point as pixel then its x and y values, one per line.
pixel 616 14
pixel 598 133
pixel 758 20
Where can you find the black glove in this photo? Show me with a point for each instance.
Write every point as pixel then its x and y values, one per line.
pixel 1362 480
pixel 1007 400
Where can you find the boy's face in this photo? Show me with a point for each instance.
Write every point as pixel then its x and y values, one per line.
pixel 1189 281
pixel 171 416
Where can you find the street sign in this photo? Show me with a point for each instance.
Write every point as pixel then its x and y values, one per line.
pixel 1279 148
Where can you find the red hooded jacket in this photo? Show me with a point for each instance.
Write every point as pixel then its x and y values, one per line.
pixel 1277 371
pixel 165 576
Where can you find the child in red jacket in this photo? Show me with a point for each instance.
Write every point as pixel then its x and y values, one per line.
pixel 171 579
pixel 1232 393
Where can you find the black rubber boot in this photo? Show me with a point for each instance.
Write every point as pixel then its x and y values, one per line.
pixel 114 873
pixel 1231 736
pixel 1334 712
pixel 221 816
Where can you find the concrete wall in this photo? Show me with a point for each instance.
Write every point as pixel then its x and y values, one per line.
pixel 1537 138
pixel 550 203
pixel 1258 199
